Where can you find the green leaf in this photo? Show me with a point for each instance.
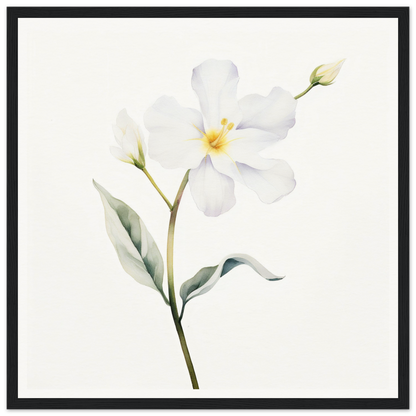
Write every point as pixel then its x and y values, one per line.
pixel 135 247
pixel 208 277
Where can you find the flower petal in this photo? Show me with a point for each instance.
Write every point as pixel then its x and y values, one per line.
pixel 270 185
pixel 174 133
pixel 212 191
pixel 215 83
pixel 129 143
pixel 274 113
pixel 142 141
pixel 120 155
pixel 243 146
pixel 123 120
pixel 118 134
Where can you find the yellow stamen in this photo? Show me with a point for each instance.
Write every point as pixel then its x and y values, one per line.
pixel 216 140
pixel 199 130
pixel 233 140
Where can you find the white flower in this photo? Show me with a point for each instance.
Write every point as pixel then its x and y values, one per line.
pixel 221 145
pixel 325 74
pixel 128 135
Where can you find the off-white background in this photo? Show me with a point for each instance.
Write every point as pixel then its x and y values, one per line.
pixel 327 329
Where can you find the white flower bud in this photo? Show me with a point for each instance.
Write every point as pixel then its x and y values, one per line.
pixel 325 74
pixel 127 134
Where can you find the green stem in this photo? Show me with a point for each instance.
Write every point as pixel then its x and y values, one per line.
pixel 172 297
pixel 157 188
pixel 182 311
pixel 165 298
pixel 307 90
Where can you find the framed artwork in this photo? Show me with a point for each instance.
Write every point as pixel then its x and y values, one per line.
pixel 208 208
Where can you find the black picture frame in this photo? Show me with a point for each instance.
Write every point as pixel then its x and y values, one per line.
pixel 13 15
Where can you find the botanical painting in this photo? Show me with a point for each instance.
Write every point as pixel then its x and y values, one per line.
pixel 207 207
pixel 215 152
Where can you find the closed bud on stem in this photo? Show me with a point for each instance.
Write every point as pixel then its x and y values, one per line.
pixel 325 74
pixel 130 139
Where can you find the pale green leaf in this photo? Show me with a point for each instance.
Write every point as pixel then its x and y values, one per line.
pixel 208 277
pixel 135 247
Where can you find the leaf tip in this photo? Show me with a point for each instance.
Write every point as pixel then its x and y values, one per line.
pixel 278 278
pixel 97 186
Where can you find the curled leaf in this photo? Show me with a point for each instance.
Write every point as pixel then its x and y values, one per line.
pixel 135 247
pixel 208 277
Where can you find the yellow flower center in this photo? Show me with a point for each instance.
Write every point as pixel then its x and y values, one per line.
pixel 215 141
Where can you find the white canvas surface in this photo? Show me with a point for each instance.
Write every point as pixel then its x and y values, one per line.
pixel 329 329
